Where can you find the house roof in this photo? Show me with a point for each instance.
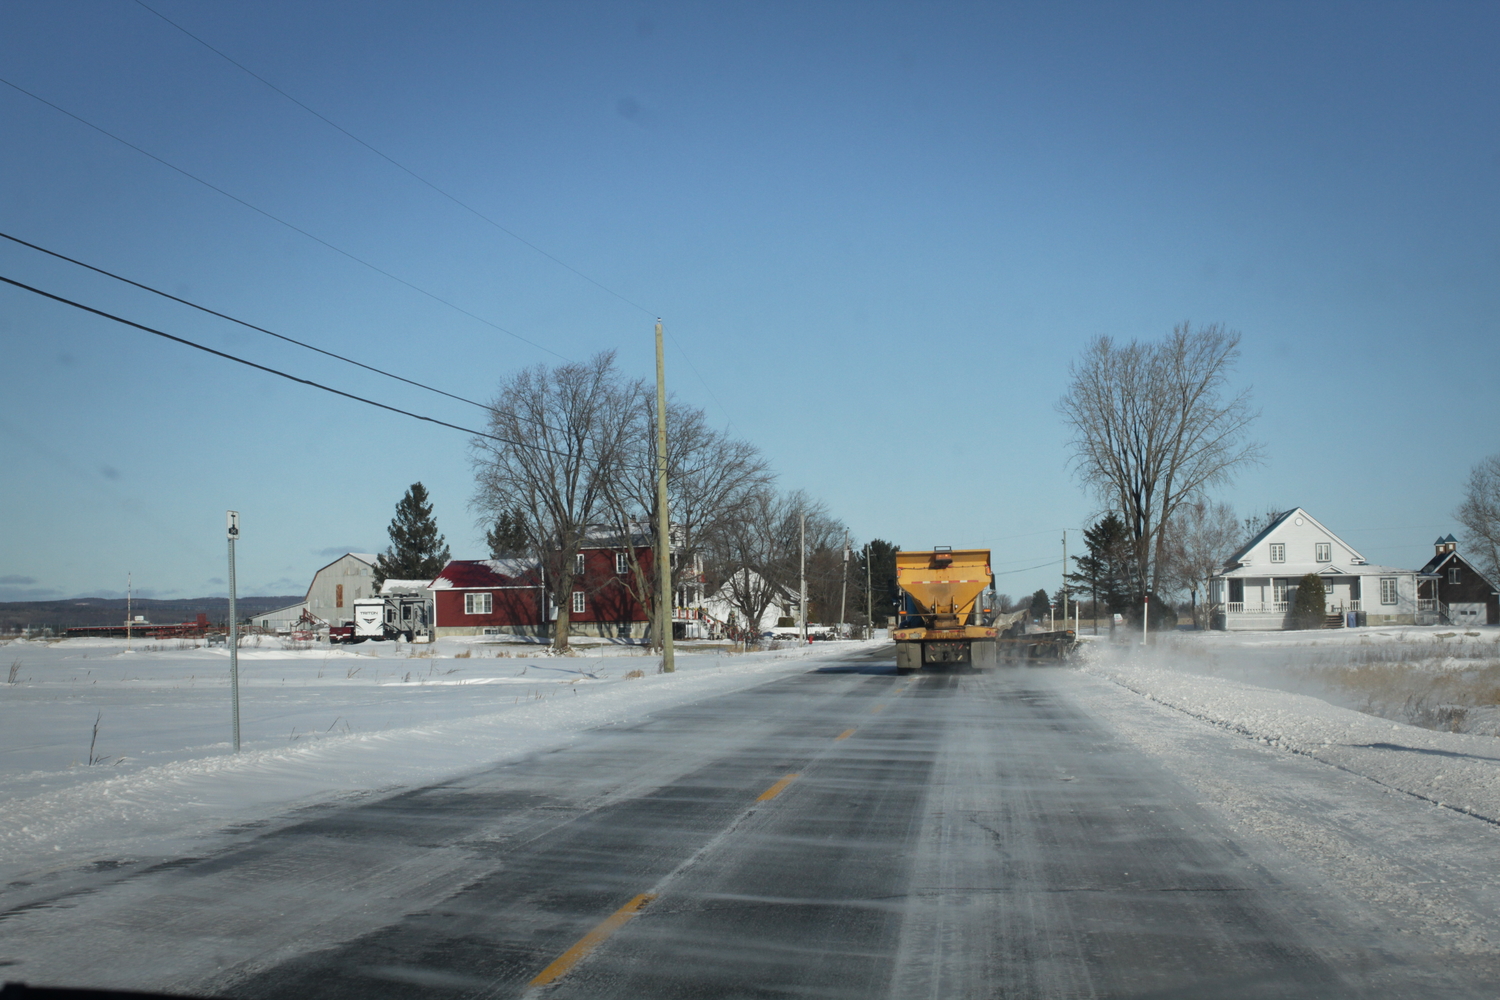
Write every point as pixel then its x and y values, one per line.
pixel 1436 564
pixel 472 574
pixel 403 586
pixel 1234 560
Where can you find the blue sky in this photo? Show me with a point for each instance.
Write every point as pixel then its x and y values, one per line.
pixel 876 233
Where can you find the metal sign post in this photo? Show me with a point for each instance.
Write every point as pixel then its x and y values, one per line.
pixel 233 525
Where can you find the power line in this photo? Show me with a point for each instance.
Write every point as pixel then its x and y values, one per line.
pixel 297 229
pixel 399 165
pixel 291 340
pixel 273 333
pixel 445 193
pixel 272 371
pixel 1044 565
pixel 252 326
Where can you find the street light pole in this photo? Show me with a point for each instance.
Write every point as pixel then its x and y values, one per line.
pixel 234 630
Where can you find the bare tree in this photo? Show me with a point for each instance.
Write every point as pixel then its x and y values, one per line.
pixel 745 558
pixel 1199 538
pixel 1152 429
pixel 571 430
pixel 766 540
pixel 1480 515
pixel 712 481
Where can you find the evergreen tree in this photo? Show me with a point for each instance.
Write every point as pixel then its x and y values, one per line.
pixel 507 537
pixel 1106 572
pixel 417 551
pixel 883 590
pixel 1040 605
pixel 1310 605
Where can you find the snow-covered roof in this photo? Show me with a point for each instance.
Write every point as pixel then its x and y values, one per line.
pixel 404 586
pixel 470 574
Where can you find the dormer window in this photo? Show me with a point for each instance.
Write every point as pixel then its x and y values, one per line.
pixel 1324 552
pixel 1278 552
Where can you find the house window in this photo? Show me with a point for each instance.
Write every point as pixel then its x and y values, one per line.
pixel 622 563
pixel 1278 552
pixel 578 564
pixel 1278 591
pixel 580 602
pixel 479 604
pixel 1453 574
pixel 1324 552
pixel 1387 590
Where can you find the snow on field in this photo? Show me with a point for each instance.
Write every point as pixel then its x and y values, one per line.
pixel 1202 675
pixel 315 723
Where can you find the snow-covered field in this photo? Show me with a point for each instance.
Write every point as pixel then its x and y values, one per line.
pixel 315 723
pixel 1346 698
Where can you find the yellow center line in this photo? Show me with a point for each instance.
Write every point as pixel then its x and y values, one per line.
pixel 591 940
pixel 844 735
pixel 776 789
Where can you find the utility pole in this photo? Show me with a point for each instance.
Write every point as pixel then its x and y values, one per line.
pixel 802 574
pixel 844 591
pixel 1065 578
pixel 663 516
pixel 234 631
pixel 128 610
pixel 869 598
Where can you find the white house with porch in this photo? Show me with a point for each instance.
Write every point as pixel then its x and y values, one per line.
pixel 1255 589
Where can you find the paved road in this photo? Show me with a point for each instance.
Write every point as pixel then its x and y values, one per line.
pixel 841 833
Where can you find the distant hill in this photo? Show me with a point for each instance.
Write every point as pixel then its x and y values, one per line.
pixel 101 611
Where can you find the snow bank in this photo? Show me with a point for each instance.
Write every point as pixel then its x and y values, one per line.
pixel 398 717
pixel 1455 770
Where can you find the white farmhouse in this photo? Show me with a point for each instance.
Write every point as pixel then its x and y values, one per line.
pixel 1258 584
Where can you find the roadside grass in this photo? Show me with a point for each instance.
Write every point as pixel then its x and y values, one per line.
pixel 1447 681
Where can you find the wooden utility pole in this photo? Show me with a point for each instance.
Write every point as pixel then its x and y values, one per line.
pixel 802 573
pixel 663 517
pixel 844 586
pixel 869 598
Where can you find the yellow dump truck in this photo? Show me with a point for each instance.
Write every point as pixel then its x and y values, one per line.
pixel 941 620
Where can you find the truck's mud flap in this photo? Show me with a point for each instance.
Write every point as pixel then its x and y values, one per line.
pixel 908 657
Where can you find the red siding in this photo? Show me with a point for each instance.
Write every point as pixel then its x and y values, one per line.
pixel 511 607
pixel 610 599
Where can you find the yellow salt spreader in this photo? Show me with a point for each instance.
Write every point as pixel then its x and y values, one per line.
pixel 942 621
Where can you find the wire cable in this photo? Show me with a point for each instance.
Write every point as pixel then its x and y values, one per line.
pixel 446 194
pixel 252 326
pixel 1044 565
pixel 272 371
pixel 260 211
pixel 399 165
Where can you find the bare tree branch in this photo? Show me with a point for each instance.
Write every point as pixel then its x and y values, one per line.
pixel 1479 513
pixel 579 413
pixel 1152 429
